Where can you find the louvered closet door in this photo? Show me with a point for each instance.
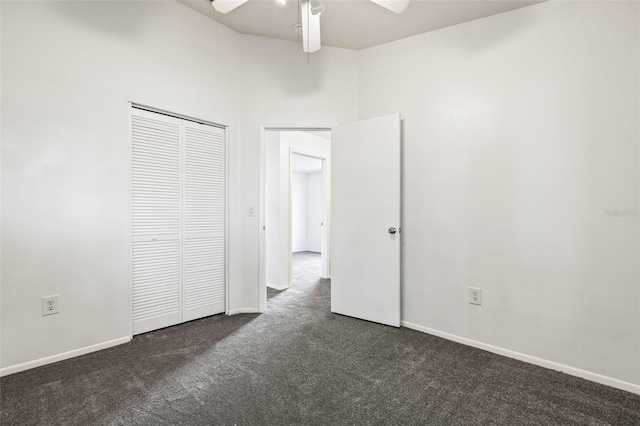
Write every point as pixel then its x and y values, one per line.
pixel 178 220
pixel 204 221
pixel 156 211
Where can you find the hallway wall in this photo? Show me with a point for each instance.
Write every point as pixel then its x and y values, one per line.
pixel 314 212
pixel 306 205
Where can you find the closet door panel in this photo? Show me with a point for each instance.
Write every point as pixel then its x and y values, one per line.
pixel 155 220
pixel 204 221
pixel 156 284
pixel 203 277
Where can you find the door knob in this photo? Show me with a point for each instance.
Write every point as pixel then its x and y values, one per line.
pixel 392 230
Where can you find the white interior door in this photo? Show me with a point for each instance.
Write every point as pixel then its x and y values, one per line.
pixel 365 219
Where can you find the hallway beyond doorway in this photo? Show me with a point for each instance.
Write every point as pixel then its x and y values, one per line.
pixel 305 267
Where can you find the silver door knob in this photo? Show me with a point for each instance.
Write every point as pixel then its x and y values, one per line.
pixel 392 230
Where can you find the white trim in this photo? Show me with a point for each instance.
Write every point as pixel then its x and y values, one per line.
pixel 262 222
pixel 325 244
pixel 226 221
pixel 130 217
pixel 289 234
pixel 244 311
pixel 65 355
pixel 573 371
pixel 177 115
pixel 277 287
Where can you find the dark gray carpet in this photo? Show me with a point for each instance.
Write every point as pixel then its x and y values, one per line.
pixel 299 364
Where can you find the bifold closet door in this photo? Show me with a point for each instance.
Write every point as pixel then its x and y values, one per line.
pixel 178 220
pixel 204 212
pixel 155 221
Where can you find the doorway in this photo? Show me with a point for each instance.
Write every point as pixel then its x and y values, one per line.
pixel 295 198
pixel 307 221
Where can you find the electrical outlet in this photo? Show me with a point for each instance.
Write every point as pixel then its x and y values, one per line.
pixel 475 296
pixel 251 211
pixel 49 305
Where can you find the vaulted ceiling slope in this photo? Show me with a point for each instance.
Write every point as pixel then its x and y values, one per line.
pixel 354 24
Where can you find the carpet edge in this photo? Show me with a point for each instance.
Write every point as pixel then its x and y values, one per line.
pixel 541 362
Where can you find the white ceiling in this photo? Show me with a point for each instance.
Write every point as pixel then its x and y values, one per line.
pixel 354 24
pixel 304 164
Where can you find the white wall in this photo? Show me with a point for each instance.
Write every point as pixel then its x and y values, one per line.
pixel 272 214
pixel 299 217
pixel 306 211
pixel 520 131
pixel 68 70
pixel 314 211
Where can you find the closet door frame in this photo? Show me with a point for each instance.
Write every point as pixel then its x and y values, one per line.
pixel 131 107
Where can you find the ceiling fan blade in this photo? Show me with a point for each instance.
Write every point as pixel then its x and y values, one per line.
pixel 396 6
pixel 226 6
pixel 310 29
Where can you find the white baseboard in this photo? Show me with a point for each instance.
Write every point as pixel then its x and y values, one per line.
pixel 243 311
pixel 278 287
pixel 59 357
pixel 573 371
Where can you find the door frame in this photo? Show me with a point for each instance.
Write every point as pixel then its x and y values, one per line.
pixel 262 250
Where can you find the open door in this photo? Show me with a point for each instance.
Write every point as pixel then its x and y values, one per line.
pixel 365 219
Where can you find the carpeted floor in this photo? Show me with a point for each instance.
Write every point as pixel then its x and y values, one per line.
pixel 299 364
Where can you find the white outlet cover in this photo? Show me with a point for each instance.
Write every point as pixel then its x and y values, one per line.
pixel 49 305
pixel 475 296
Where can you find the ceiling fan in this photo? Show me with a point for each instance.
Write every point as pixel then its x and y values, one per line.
pixel 310 11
